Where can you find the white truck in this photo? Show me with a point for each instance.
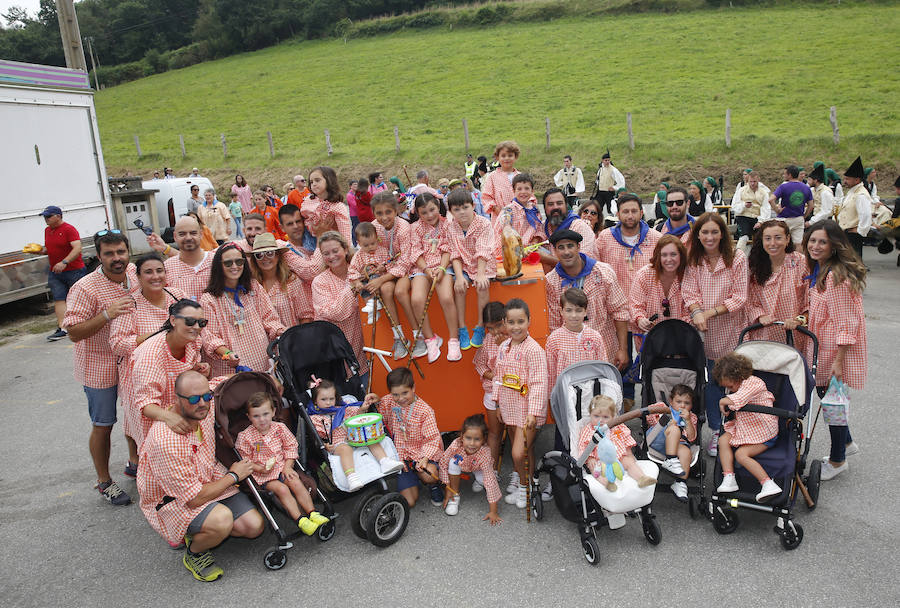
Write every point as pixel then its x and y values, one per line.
pixel 50 155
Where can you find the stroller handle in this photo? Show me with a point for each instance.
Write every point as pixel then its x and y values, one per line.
pixel 789 339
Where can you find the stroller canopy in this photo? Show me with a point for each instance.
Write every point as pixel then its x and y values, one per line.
pixel 320 349
pixel 777 359
pixel 573 391
pixel 230 398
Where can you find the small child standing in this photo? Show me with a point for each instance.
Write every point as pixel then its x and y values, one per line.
pixel 469 454
pixel 273 450
pixel 236 214
pixel 411 424
pixel 674 440
pixel 494 319
pixel 326 209
pixel 574 341
pixel 603 410
pixel 496 190
pixel 328 414
pixel 520 390
pixel 751 433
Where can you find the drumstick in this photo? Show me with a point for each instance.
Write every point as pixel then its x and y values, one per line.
pixel 395 325
pixel 527 480
pixel 427 472
pixel 434 283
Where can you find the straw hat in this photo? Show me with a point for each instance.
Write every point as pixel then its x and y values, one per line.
pixel 266 242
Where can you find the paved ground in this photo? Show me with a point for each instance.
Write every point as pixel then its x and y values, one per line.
pixel 60 544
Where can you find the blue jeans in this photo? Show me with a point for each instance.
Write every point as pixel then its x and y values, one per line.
pixel 712 395
pixel 354 222
pixel 237 227
pixel 61 282
pixel 840 437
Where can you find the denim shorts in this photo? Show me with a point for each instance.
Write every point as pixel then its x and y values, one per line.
pixel 238 504
pixel 659 442
pixel 102 405
pixel 61 282
pixel 465 274
pixel 410 478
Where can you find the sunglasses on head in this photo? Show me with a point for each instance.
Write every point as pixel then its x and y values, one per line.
pixel 259 255
pixel 235 262
pixel 675 203
pixel 105 232
pixel 195 399
pixel 667 311
pixel 191 321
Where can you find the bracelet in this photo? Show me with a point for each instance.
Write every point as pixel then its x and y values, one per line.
pixel 442 269
pixel 106 314
pixel 696 311
pixel 166 250
pixel 226 354
pixel 237 479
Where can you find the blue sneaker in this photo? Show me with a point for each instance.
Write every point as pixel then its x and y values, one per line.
pixel 478 336
pixel 437 495
pixel 464 343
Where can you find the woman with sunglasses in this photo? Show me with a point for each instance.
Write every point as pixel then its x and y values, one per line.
pixel 272 274
pixel 129 330
pixel 656 291
pixel 241 319
pixel 589 211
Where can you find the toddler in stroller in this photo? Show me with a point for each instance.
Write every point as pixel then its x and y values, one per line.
pixel 672 436
pixel 602 410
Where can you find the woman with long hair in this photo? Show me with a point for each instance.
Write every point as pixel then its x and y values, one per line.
pixel 272 274
pixel 589 211
pixel 241 318
pixel 715 293
pixel 656 291
pixel 244 194
pixel 837 279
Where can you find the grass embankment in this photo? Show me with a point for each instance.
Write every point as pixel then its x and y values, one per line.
pixel 777 69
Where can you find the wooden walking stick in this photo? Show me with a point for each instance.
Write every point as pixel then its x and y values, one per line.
pixel 527 480
pixel 502 445
pixel 447 485
pixel 434 283
pixel 408 181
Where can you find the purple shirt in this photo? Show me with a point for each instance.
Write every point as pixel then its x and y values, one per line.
pixel 794 196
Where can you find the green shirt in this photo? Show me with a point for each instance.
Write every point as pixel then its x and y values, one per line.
pixel 235 209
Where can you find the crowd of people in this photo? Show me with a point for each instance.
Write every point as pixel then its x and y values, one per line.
pixel 160 333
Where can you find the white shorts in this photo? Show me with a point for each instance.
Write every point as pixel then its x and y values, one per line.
pixel 489 404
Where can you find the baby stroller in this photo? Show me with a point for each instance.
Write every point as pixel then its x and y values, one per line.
pixel 673 354
pixel 320 349
pixel 579 497
pixel 230 398
pixel 784 371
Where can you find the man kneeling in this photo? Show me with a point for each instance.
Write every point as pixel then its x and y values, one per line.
pixel 185 493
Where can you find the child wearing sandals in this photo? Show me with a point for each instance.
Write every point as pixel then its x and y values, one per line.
pixel 746 434
pixel 602 410
pixel 675 437
pixel 494 319
pixel 273 449
pixel 328 419
pixel 469 454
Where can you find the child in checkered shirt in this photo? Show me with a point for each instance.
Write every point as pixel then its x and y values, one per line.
pixel 673 438
pixel 751 433
pixel 494 318
pixel 368 262
pixel 469 454
pixel 603 410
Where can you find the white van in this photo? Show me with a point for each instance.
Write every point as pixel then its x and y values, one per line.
pixel 173 195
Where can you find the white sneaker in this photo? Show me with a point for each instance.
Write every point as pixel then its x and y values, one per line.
pixel 673 465
pixel 829 471
pixel 477 486
pixel 354 482
pixel 852 448
pixel 419 348
pixel 712 448
pixel 769 489
pixel 729 484
pixel 522 498
pixel 452 505
pixel 512 497
pixel 399 349
pixel 389 465
pixel 547 493
pixel 679 488
pixel 513 484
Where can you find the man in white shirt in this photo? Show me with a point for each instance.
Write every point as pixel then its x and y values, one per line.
pixel 609 180
pixel 570 179
pixel 823 198
pixel 855 213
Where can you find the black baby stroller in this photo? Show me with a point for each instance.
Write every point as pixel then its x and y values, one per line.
pixel 579 497
pixel 320 349
pixel 787 377
pixel 673 354
pixel 231 418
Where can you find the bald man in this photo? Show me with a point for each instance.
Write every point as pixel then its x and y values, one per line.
pixel 188 267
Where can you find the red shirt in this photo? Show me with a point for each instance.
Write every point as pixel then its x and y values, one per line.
pixel 58 242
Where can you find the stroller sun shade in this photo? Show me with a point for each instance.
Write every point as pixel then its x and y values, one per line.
pixel 575 388
pixel 318 348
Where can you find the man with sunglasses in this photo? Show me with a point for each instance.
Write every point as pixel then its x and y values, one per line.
pixel 195 201
pixel 186 494
pixel 680 221
pixel 93 302
pixel 299 194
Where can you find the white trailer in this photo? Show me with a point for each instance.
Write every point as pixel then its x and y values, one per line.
pixel 50 155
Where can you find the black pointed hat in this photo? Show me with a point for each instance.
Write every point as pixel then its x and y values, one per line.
pixel 897 183
pixel 856 169
pixel 607 154
pixel 818 173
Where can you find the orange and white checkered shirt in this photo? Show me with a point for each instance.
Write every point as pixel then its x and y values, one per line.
pixel 278 442
pixel 519 223
pixel 647 296
pixel 497 191
pixel 94 363
pixel 288 302
pixel 620 435
pixel 397 246
pixel 720 287
pixel 837 318
pixel 684 236
pixel 177 466
pixel 587 234
pixel 469 463
pixel 608 250
pixel 260 326
pixel 751 427
pixel 430 243
pixel 192 281
pixel 322 426
pixel 528 362
pixel 565 347
pixel 305 266
pixel 606 303
pixel 782 297
pixel 688 433
pixel 333 301
pixel 363 261
pixel 485 360
pixel 473 244
pixel 315 211
pixel 413 429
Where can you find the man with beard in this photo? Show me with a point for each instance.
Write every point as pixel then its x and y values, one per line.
pixel 570 179
pixel 680 221
pixel 855 211
pixel 93 302
pixel 609 180
pixel 254 224
pixel 189 269
pixel 560 217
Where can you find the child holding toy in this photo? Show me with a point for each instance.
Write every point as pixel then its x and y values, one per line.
pixel 675 437
pixel 369 260
pixel 494 319
pixel 469 454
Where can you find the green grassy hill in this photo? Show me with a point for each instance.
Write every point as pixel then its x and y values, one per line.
pixel 778 70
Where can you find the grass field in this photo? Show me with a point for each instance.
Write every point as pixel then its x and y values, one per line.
pixel 778 70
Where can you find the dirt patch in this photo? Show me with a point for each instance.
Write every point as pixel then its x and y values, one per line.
pixel 28 316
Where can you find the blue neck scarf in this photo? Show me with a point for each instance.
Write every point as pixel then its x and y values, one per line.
pixel 532 215
pixel 235 292
pixel 814 275
pixel 616 231
pixel 563 226
pixel 338 412
pixel 681 229
pixel 578 280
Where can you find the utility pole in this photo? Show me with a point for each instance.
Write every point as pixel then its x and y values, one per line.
pixel 71 35
pixel 90 41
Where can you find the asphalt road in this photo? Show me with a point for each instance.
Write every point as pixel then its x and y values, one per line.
pixel 60 544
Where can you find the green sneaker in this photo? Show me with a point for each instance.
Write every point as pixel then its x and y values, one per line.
pixel 202 566
pixel 318 518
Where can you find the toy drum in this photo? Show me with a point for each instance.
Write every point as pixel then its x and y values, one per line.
pixel 365 429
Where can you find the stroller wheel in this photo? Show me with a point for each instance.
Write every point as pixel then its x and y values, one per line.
pixel 725 520
pixel 387 520
pixel 537 505
pixel 813 482
pixel 326 531
pixel 362 510
pixel 791 536
pixel 591 550
pixel 275 559
pixel 652 531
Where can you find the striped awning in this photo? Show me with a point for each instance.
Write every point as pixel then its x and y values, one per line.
pixel 13 72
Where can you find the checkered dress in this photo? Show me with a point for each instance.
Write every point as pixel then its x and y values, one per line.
pixel 485 360
pixel 316 211
pixel 397 246
pixel 528 361
pixel 278 442
pixel 322 426
pixel 430 243
pixel 722 286
pixel 333 301
pixel 782 297
pixel 497 191
pixel 192 281
pixel 305 267
pixel 751 428
pixel 261 325
pixel 837 318
pixel 565 348
pixel 362 260
pixel 469 463
pixel 95 363
pixel 475 243
pixel 177 466
pixel 608 250
pixel 413 429
pixel 289 303
pixel 646 299
pixel 619 435
pixel 606 303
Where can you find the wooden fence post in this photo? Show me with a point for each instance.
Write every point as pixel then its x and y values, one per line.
pixel 328 142
pixel 137 144
pixel 630 131
pixel 834 125
pixel 547 127
pixel 224 147
pixel 728 127
pixel 466 133
pixel 271 145
pixel 181 141
pixel 397 137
